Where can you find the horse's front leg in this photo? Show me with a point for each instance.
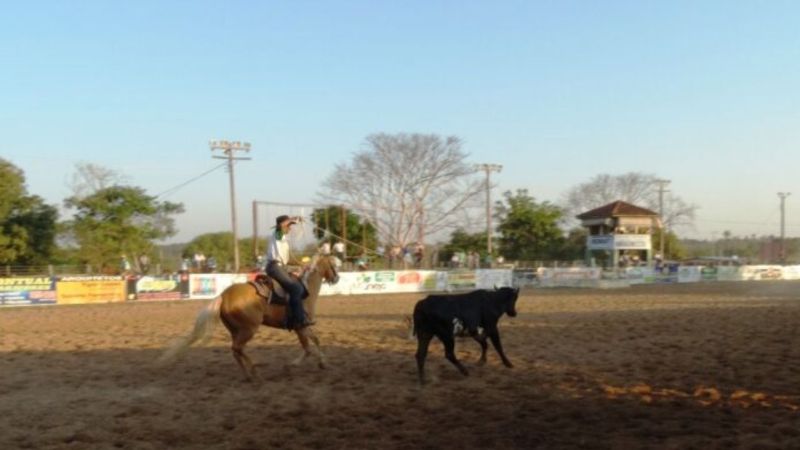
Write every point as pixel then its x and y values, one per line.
pixel 302 336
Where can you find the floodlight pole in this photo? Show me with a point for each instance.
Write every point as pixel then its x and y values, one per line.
pixel 782 196
pixel 488 169
pixel 228 148
pixel 661 185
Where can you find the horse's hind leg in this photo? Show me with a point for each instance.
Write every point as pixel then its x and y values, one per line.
pixel 240 338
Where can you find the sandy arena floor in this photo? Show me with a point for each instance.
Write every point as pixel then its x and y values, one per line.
pixel 682 366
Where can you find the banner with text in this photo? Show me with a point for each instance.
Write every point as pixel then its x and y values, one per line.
pixel 73 290
pixel 210 285
pixel 17 291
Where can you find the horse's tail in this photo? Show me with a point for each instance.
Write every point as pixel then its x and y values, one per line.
pixel 203 330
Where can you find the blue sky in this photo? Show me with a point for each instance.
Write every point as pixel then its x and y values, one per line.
pixel 702 93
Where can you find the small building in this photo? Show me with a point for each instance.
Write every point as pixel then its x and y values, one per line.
pixel 620 234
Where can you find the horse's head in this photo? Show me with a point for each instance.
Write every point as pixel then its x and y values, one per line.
pixel 325 266
pixel 509 296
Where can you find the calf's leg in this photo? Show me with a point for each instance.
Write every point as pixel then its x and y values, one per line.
pixel 450 354
pixel 480 338
pixel 494 335
pixel 423 341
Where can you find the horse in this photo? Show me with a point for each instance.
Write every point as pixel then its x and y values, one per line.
pixel 242 311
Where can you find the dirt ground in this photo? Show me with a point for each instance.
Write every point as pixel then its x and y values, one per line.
pixel 680 366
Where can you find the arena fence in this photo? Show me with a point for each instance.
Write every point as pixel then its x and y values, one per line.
pixel 64 289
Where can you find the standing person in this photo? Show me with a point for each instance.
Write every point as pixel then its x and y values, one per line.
pixel 278 258
pixel 338 250
pixel 325 248
pixel 419 253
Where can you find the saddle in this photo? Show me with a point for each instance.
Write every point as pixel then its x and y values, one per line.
pixel 272 292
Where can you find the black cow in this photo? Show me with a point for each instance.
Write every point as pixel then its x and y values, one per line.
pixel 474 314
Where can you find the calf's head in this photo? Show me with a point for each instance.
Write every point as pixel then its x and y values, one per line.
pixel 509 296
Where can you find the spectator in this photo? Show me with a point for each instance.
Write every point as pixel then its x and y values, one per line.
pixel 339 249
pixel 325 249
pixel 419 253
pixel 211 263
pixel 144 263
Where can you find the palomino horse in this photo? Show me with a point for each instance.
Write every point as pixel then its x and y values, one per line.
pixel 242 311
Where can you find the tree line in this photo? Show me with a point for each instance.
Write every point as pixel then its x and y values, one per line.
pixel 397 190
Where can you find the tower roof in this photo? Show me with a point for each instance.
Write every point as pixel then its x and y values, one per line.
pixel 617 209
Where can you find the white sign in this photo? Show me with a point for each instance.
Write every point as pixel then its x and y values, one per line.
pixel 619 242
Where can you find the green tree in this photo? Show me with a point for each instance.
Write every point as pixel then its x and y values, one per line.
pixel 27 224
pixel 219 246
pixel 359 232
pixel 528 229
pixel 574 246
pixel 673 249
pixel 462 241
pixel 117 221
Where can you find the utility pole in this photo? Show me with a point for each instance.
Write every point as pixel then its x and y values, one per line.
pixel 661 185
pixel 488 169
pixel 228 148
pixel 255 231
pixel 782 196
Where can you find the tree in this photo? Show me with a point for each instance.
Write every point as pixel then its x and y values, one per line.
pixel 27 223
pixel 528 230
pixel 462 241
pixel 574 246
pixel 119 221
pixel 673 249
pixel 633 187
pixel 408 185
pixel 90 178
pixel 360 232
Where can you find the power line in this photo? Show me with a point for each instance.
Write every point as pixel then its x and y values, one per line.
pixel 192 180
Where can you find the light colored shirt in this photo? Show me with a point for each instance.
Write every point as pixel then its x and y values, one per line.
pixel 278 249
pixel 338 247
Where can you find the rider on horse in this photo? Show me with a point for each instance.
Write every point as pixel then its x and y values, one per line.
pixel 278 258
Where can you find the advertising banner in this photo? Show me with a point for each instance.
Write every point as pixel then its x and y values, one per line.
pixel 27 291
pixel 210 285
pixel 689 274
pixel 708 273
pixel 570 273
pixel 639 275
pixel 791 272
pixel 525 277
pixel 761 272
pixel 491 278
pixel 619 242
pixel 90 289
pixel 729 273
pixel 158 288
pixel 461 280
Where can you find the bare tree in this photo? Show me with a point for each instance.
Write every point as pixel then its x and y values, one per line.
pixel 633 187
pixel 408 185
pixel 90 178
